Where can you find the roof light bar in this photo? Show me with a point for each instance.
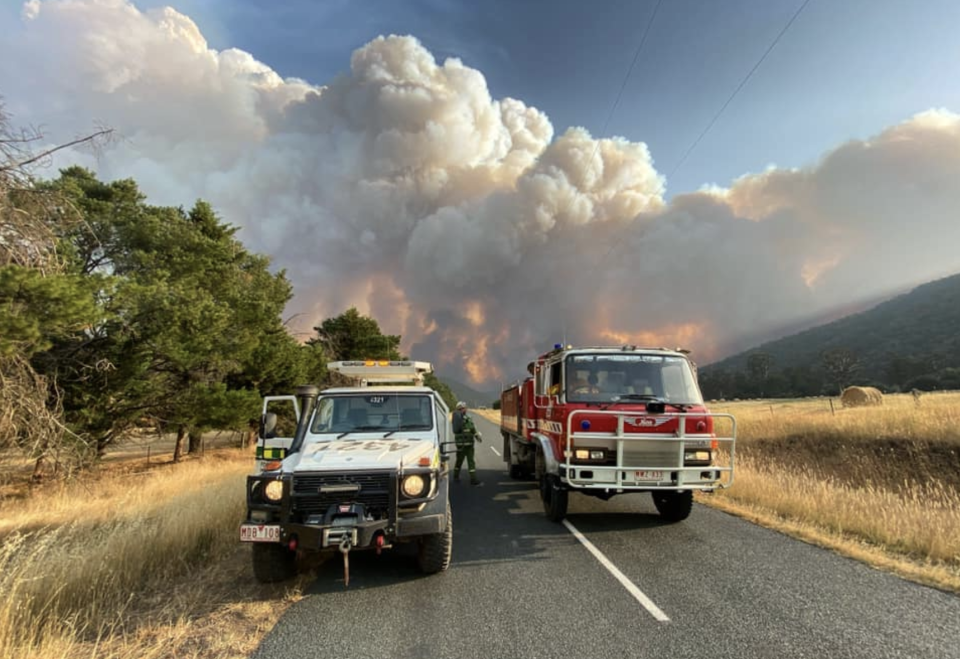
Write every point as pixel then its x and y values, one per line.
pixel 382 370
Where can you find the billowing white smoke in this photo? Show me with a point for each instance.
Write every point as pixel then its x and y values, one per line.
pixel 457 220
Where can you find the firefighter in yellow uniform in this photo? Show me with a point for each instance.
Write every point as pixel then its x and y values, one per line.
pixel 465 432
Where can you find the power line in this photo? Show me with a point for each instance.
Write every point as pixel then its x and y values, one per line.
pixel 616 102
pixel 636 56
pixel 623 85
pixel 736 91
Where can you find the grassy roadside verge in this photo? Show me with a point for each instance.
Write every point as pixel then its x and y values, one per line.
pixel 880 485
pixel 135 565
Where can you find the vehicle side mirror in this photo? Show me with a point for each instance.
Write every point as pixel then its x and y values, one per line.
pixel 268 426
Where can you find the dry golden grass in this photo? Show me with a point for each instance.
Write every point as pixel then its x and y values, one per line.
pixel 117 494
pixel 942 575
pixel 489 415
pixel 878 484
pixel 144 565
pixel 919 526
pixel 936 419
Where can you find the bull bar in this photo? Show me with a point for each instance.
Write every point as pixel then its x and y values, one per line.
pixel 679 438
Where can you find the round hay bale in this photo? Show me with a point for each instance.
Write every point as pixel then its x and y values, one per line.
pixel 861 397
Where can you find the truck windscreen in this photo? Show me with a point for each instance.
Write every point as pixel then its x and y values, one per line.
pixel 373 412
pixel 598 378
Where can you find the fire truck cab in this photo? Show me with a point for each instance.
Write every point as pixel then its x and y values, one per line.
pixel 611 420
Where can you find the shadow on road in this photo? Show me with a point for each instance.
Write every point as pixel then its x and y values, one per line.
pixel 498 523
pixel 492 523
pixel 616 521
pixel 367 570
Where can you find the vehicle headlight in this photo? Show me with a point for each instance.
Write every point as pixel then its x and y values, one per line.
pixel 589 454
pixel 696 456
pixel 273 491
pixel 414 486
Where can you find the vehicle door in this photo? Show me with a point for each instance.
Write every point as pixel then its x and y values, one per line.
pixel 278 424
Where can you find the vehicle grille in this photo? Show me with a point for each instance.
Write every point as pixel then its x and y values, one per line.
pixel 374 492
pixel 651 453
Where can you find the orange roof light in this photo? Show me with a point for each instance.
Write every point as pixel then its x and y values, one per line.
pixel 425 461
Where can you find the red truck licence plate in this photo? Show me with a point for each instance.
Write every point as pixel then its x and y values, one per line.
pixel 648 475
pixel 259 533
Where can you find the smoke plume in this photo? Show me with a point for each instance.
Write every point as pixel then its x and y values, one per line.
pixel 462 221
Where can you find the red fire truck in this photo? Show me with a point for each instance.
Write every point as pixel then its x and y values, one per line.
pixel 611 420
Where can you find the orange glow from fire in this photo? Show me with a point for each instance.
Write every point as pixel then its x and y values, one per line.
pixel 476 360
pixel 813 270
pixel 689 336
pixel 474 313
pixel 468 349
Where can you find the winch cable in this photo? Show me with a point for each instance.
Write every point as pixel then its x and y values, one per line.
pixel 345 550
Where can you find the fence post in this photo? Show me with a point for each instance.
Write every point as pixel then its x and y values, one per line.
pixel 832 411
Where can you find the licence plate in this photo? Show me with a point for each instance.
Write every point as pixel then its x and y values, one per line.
pixel 259 533
pixel 648 475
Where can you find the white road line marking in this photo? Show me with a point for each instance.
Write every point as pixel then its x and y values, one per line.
pixel 495 451
pixel 638 594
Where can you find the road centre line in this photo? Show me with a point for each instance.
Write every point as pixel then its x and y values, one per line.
pixel 495 451
pixel 638 594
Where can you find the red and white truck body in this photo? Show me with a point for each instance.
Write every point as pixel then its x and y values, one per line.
pixel 611 420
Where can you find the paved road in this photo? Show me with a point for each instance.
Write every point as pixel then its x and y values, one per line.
pixel 521 586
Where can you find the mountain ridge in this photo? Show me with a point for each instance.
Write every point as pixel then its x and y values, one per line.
pixel 907 340
pixel 472 397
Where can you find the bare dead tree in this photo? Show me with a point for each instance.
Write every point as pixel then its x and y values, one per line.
pixel 31 219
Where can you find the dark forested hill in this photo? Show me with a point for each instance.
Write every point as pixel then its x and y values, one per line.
pixel 471 396
pixel 910 341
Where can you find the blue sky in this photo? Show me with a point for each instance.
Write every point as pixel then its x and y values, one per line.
pixel 455 222
pixel 844 69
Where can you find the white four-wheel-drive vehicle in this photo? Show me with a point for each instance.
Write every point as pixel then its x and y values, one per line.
pixel 365 469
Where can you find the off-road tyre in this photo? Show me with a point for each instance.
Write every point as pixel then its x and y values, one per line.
pixel 273 563
pixel 554 498
pixel 436 549
pixel 673 506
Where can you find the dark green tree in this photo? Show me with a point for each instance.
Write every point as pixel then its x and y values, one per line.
pixel 40 298
pixel 36 308
pixel 354 336
pixel 186 307
pixel 840 364
pixel 759 365
pixel 446 393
